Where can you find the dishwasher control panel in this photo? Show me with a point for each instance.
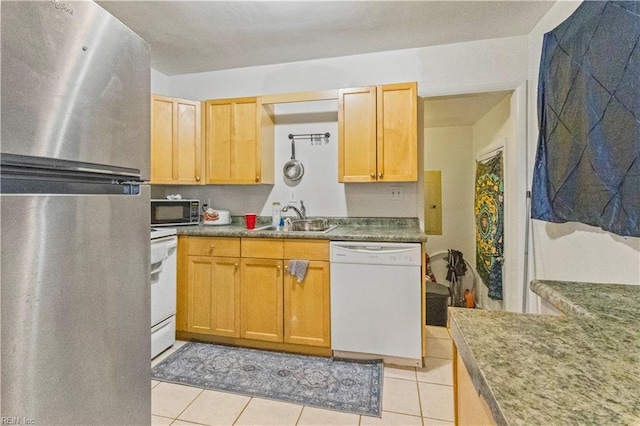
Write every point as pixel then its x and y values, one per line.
pixel 373 253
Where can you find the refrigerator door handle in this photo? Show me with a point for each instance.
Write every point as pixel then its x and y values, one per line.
pixel 21 164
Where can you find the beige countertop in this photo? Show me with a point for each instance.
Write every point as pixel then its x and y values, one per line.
pixel 580 368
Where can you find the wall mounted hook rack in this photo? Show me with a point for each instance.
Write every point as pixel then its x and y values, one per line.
pixel 315 138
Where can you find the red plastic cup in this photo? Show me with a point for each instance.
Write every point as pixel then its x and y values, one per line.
pixel 250 219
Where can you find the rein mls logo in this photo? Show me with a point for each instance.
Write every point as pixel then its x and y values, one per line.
pixel 16 421
pixel 62 6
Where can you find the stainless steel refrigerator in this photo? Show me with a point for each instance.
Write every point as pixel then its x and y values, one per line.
pixel 75 311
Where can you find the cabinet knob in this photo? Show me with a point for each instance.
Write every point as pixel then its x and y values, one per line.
pixel 279 267
pixel 257 178
pixel 235 265
pixel 197 178
pixel 373 175
pixel 380 175
pixel 212 246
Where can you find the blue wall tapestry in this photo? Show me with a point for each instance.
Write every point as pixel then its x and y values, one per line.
pixel 489 213
pixel 587 165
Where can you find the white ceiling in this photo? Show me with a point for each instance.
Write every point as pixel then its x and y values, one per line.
pixel 460 110
pixel 198 36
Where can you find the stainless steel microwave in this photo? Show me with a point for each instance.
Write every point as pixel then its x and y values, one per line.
pixel 175 212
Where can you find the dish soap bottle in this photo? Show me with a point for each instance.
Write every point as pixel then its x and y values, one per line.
pixel 275 214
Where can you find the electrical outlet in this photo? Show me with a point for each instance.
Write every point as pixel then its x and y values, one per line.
pixel 397 192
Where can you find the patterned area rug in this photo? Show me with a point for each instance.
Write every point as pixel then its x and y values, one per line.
pixel 335 384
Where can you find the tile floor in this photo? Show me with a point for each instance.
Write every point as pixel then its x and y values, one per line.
pixel 411 396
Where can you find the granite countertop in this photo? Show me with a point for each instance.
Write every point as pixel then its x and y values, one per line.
pixel 580 368
pixel 346 229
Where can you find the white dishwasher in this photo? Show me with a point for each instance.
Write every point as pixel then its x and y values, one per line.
pixel 376 301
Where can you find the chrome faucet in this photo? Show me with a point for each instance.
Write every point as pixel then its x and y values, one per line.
pixel 302 212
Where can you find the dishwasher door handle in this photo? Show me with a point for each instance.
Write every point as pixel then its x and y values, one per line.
pixel 374 249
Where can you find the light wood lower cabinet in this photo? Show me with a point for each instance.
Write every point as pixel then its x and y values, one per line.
pixel 307 307
pixel 470 407
pixel 261 300
pixel 212 274
pixel 214 295
pixel 239 289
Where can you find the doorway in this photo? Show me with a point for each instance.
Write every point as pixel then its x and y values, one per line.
pixel 459 130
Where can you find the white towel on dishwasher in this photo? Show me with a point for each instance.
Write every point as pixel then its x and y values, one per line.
pixel 298 268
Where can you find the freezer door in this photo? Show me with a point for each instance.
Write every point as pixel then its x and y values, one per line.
pixel 75 308
pixel 75 85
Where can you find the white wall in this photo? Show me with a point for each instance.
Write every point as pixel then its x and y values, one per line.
pixel 453 150
pixel 494 129
pixel 438 69
pixel 572 251
pixel 159 83
pixel 449 149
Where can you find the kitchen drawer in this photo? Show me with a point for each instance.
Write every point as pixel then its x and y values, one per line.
pixel 262 248
pixel 306 249
pixel 207 246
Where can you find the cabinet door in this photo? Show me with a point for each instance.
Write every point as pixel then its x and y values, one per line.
pixel 214 295
pixel 397 132
pixel 176 145
pixel 357 135
pixel 261 299
pixel 233 141
pixel 307 315
pixel 471 408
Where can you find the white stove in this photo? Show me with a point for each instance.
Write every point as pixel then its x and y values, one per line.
pixel 164 244
pixel 162 232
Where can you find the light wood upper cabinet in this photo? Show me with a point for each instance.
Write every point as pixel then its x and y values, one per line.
pixel 378 133
pixel 239 141
pixel 176 144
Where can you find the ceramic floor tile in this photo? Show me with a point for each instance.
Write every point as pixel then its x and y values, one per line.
pixel 436 422
pixel 183 423
pixel 398 372
pixel 439 348
pixel 154 383
pixel 436 370
pixel 160 421
pixel 400 396
pixel 391 419
pixel 169 400
pixel 437 332
pixel 320 417
pixel 267 412
pixel 215 408
pixel 436 401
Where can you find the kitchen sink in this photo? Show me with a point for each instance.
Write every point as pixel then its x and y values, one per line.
pixel 309 225
pixel 318 225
